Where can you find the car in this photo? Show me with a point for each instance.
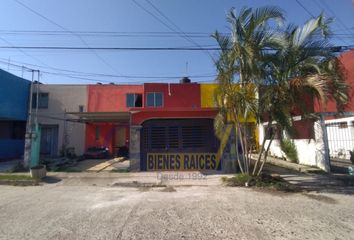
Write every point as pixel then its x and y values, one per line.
pixel 98 152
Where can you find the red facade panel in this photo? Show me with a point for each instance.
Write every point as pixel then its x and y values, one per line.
pixel 110 98
pixel 347 60
pixel 140 117
pixel 185 95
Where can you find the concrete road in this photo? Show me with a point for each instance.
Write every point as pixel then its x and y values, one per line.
pixel 59 211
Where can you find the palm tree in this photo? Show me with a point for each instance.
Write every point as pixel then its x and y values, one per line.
pixel 280 66
pixel 304 66
pixel 239 64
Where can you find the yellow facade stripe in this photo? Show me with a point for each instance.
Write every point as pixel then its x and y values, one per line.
pixel 224 141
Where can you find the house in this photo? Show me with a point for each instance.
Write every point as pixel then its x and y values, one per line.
pixel 14 95
pixel 321 143
pixel 162 126
pixel 59 131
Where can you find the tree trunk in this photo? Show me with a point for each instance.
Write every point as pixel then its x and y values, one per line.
pixel 262 148
pixel 265 155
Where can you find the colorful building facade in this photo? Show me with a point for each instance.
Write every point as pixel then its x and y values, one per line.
pixel 160 126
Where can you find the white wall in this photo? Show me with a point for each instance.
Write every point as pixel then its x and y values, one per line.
pixel 310 151
pixel 306 150
pixel 62 99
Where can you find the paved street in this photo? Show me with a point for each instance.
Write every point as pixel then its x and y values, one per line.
pixel 62 211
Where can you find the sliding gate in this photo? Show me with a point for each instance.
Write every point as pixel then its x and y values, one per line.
pixel 179 144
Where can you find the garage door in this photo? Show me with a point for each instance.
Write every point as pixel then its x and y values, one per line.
pixel 184 144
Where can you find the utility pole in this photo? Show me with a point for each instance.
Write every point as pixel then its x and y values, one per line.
pixel 28 136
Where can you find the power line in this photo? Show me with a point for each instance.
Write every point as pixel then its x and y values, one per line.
pixel 306 10
pixel 180 31
pixel 335 48
pixel 89 76
pixel 319 4
pixel 112 48
pixel 67 30
pixel 100 74
pixel 165 24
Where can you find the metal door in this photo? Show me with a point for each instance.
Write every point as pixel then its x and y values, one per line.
pixel 49 140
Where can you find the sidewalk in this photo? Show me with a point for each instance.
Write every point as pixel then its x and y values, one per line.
pixel 137 179
pixel 320 182
pixel 289 165
pixel 8 165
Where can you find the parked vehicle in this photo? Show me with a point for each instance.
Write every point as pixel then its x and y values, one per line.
pixel 97 152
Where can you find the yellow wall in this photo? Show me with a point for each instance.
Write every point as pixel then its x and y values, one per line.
pixel 207 101
pixel 207 95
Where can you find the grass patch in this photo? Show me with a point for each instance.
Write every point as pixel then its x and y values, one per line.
pixel 15 178
pixel 289 148
pixel 18 180
pixel 262 181
pixel 122 170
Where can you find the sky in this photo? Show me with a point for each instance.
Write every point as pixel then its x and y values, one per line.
pixel 134 23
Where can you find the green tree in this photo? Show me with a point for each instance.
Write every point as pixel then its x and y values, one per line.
pixel 275 69
pixel 239 69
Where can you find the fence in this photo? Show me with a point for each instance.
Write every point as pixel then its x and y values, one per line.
pixel 340 137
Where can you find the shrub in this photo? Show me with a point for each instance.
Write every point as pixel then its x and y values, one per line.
pixel 268 181
pixel 289 148
pixel 239 180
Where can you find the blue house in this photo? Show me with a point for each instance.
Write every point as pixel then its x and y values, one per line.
pixel 14 95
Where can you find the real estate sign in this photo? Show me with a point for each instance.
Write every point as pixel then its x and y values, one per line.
pixel 182 161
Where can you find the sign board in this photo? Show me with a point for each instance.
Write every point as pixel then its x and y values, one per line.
pixel 182 161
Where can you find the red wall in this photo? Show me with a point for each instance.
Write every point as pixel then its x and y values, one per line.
pixel 185 95
pixel 110 98
pixel 179 101
pixel 347 60
pixel 140 117
pixel 182 102
pixel 105 138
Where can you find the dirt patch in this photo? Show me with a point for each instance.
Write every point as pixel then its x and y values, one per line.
pixel 168 189
pixel 320 198
pixel 137 184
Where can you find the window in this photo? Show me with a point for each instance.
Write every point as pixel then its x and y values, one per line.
pixel 81 108
pixel 134 100
pixel 42 100
pixel 97 133
pixel 154 99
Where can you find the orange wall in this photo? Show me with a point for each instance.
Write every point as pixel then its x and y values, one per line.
pixel 110 98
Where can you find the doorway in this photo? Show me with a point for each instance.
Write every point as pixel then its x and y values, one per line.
pixel 49 140
pixel 120 142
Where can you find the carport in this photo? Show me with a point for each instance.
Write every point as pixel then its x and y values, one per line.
pixel 109 129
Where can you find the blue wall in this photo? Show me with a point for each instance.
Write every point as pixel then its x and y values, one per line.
pixel 11 148
pixel 14 92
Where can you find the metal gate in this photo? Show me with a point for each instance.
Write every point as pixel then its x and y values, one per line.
pixel 179 144
pixel 340 136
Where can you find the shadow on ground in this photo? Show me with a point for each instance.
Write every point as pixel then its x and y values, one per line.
pixel 51 179
pixel 327 183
